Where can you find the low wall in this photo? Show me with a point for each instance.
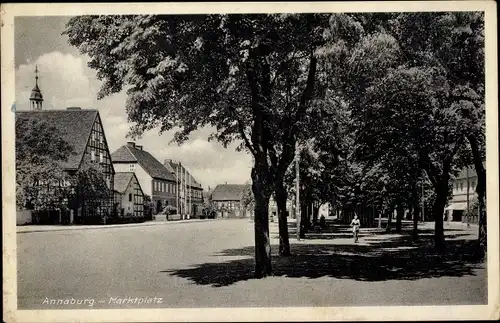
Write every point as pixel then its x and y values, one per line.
pixel 23 217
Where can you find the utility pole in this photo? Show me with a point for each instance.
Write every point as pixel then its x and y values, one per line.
pixel 467 216
pixel 297 189
pixel 190 195
pixel 185 193
pixel 177 187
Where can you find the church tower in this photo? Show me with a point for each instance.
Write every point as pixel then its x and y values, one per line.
pixel 36 98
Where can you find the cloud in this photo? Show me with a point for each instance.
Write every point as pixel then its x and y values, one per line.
pixel 66 80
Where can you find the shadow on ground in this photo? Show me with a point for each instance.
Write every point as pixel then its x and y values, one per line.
pixel 376 258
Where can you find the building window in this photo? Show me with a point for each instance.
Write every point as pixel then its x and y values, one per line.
pixel 461 186
pixel 92 156
pixel 473 185
pixel 101 157
pixel 130 197
pixel 131 167
pixel 100 138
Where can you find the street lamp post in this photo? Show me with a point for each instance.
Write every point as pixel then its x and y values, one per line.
pixel 297 189
pixel 467 216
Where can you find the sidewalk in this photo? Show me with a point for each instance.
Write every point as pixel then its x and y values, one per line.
pixel 50 228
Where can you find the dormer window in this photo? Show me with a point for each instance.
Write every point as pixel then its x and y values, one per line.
pixel 131 167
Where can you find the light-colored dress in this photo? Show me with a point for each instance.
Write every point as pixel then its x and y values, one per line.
pixel 355 225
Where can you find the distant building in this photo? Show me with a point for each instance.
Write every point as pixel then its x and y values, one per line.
pixel 226 199
pixel 190 197
pixel 273 208
pixel 464 189
pixel 130 199
pixel 155 179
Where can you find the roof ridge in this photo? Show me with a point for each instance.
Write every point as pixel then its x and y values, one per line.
pixel 130 151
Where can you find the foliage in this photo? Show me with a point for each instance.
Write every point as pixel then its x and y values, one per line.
pixel 90 187
pixel 373 99
pixel 247 199
pixel 40 150
pixel 249 77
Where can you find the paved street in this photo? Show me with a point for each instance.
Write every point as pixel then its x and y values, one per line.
pixel 210 263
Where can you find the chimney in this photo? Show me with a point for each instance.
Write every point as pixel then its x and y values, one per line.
pixel 131 144
pixel 168 161
pixel 73 108
pixel 138 147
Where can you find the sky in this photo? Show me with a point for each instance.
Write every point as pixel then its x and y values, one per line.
pixel 66 81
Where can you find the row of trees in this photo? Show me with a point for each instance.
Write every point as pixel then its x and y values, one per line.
pixel 378 99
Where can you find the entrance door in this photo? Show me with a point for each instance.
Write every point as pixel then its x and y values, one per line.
pixel 158 206
pixel 457 216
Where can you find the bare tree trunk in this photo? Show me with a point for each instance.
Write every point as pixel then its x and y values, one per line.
pixel 389 213
pixel 481 192
pixel 263 265
pixel 315 214
pixel 281 196
pixel 399 217
pixel 438 210
pixel 409 215
pixel 416 215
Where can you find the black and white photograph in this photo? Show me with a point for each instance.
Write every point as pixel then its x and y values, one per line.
pixel 234 160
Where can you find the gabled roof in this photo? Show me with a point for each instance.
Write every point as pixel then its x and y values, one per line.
pixel 75 125
pixel 177 167
pixel 129 153
pixel 122 181
pixel 228 192
pixel 123 154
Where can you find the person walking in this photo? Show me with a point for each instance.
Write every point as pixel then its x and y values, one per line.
pixel 355 224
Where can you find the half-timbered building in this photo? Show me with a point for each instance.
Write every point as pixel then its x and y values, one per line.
pixel 83 130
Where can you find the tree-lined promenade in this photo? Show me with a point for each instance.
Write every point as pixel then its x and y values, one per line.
pixel 381 104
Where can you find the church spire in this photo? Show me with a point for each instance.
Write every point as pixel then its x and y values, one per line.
pixel 36 97
pixel 36 76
